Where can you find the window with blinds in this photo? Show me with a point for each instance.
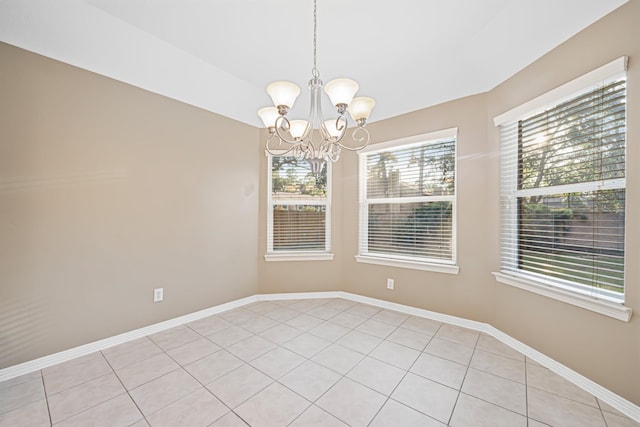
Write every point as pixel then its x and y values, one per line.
pixel 298 207
pixel 407 200
pixel 563 192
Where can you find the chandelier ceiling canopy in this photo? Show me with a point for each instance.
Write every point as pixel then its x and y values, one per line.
pixel 316 139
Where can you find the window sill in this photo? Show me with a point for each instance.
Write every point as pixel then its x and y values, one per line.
pixel 616 310
pixel 323 256
pixel 425 266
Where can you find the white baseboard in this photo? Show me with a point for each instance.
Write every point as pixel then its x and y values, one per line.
pixel 624 406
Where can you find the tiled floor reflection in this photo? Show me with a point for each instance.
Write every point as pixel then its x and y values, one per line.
pixel 318 362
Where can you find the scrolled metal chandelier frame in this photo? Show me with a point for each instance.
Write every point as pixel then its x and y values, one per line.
pixel 316 140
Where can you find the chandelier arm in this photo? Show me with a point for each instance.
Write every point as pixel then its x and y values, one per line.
pixel 283 123
pixel 358 139
pixel 278 152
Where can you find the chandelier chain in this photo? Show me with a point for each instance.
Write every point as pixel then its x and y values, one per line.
pixel 315 31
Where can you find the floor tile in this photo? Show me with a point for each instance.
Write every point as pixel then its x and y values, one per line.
pixel 329 331
pixel 395 414
pixel 356 410
pixel 174 337
pixel 259 324
pixel 119 411
pixel 497 390
pixel 363 310
pixel 283 314
pixel 457 334
pixel 409 338
pixel 340 304
pixel 377 375
pixel 450 350
pixel 544 379
pixel 141 423
pixel 199 408
pixel 492 345
pixel 84 396
pixel 304 322
pixel 262 307
pixel 558 411
pixel 307 345
pixel 20 394
pixel 324 312
pixel 375 328
pixel 33 414
pixel 422 325
pixel 193 351
pixel 209 325
pixel 139 373
pixel 426 396
pixel 214 366
pixel 229 420
pixel 251 348
pixel 310 380
pixel 163 391
pixel 391 317
pixel 274 406
pixel 21 379
pixel 229 336
pixel 277 362
pixel 614 420
pixel 395 354
pixel 239 385
pixel 131 352
pixel 359 341
pixel 440 370
pixel 280 333
pixel 338 358
pixel 470 411
pixel 238 315
pixel 306 305
pixel 347 320
pixel 316 417
pixel 76 371
pixel 496 364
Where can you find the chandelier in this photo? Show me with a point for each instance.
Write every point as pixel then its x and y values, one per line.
pixel 315 140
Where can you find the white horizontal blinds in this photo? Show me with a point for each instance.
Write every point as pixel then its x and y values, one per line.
pixel 298 227
pixel 563 195
pixel 409 201
pixel 298 206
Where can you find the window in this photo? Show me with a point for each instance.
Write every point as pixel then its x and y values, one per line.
pixel 563 190
pixel 408 202
pixel 298 210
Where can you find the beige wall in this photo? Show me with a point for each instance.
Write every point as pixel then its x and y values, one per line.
pixel 107 192
pixel 603 349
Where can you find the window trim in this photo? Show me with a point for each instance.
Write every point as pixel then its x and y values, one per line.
pixel 400 261
pixel 591 301
pixel 309 255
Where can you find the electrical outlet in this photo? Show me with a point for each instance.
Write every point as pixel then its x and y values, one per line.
pixel 390 284
pixel 158 294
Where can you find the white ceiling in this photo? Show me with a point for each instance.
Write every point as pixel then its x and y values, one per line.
pixel 220 54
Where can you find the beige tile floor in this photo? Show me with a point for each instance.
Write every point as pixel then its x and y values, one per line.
pixel 317 362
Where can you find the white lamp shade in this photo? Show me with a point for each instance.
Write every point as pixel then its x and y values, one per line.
pixel 283 93
pixel 341 91
pixel 361 107
pixel 331 128
pixel 297 128
pixel 268 116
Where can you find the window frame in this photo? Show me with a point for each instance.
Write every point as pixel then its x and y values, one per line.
pixel 448 266
pixel 597 301
pixel 299 255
